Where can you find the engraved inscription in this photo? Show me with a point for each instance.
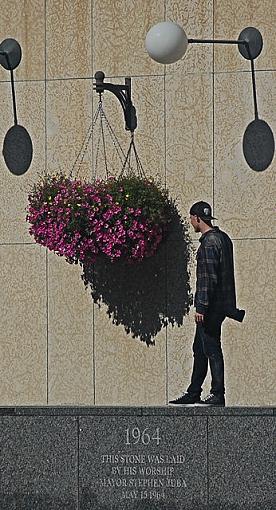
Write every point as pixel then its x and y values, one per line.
pixel 141 476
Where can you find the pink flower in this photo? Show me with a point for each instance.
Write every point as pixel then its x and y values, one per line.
pixel 79 220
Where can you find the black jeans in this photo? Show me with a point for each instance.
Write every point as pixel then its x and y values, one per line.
pixel 207 346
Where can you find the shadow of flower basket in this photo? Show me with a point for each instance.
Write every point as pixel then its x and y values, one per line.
pixel 147 296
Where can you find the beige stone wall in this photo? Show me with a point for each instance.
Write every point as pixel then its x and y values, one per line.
pixel 56 347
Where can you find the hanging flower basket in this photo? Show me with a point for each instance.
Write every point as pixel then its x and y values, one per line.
pixel 124 217
pixel 121 218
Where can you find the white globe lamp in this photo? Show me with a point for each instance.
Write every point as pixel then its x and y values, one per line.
pixel 166 42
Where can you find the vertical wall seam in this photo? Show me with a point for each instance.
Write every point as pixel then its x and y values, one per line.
pixel 47 328
pixel 213 193
pixel 166 252
pixel 45 155
pixel 78 461
pixel 165 119
pixel 92 166
pixel 213 114
pixel 207 455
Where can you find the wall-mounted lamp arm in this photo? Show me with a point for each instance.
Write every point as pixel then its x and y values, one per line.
pixel 215 41
pixel 13 98
pixel 166 43
pixel 9 66
pixel 123 93
pixel 250 45
pixel 253 80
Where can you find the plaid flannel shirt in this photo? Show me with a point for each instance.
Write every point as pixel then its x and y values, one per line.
pixel 215 285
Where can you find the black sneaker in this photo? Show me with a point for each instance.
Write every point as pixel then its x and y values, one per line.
pixel 186 399
pixel 214 400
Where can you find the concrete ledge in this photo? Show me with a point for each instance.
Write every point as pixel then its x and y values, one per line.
pixel 194 410
pixel 136 458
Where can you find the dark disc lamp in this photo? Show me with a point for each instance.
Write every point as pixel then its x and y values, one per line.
pixel 167 42
pixel 10 54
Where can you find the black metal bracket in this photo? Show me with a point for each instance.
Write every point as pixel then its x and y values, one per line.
pixel 250 44
pixel 123 93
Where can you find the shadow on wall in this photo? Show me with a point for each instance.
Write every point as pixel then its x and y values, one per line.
pixel 147 296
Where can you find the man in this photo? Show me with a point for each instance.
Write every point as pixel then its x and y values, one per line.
pixel 215 299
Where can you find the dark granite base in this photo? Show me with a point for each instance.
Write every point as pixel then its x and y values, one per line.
pixel 162 458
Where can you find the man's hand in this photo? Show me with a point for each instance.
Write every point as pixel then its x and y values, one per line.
pixel 199 317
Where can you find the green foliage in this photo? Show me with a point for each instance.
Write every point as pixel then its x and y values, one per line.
pixel 141 193
pixel 47 187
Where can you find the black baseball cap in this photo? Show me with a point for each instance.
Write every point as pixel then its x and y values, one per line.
pixel 203 210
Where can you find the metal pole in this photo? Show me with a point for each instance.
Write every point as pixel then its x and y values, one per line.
pixel 241 41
